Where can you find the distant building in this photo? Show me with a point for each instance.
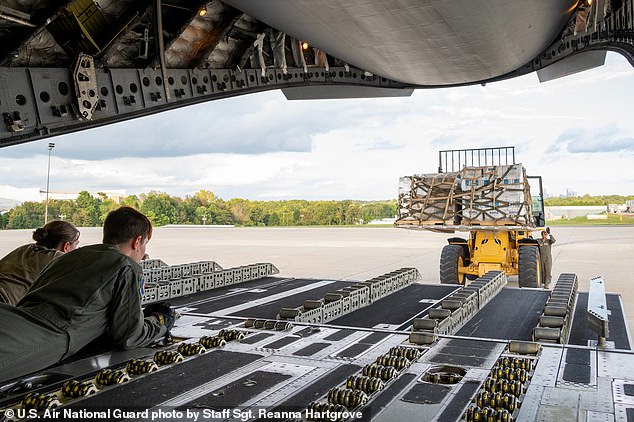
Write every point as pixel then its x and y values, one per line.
pixel 559 212
pixel 387 220
pixel 117 198
pixel 8 204
pixel 616 208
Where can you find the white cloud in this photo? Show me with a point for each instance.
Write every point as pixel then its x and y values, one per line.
pixel 264 147
pixel 19 194
pixel 609 138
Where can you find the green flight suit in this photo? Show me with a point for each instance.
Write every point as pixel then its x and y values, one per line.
pixel 546 258
pixel 82 295
pixel 20 268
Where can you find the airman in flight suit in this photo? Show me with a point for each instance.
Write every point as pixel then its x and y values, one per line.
pixel 82 295
pixel 546 256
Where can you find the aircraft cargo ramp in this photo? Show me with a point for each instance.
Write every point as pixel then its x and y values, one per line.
pixel 385 349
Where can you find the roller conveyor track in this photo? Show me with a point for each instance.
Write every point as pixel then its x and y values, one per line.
pixel 285 371
pixel 155 388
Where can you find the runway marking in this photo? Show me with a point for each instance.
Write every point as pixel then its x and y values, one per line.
pixel 273 298
pixel 226 311
pixel 405 324
pixel 234 292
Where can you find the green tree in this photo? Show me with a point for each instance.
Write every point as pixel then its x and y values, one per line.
pixel 163 208
pixel 205 197
pixel 131 201
pixel 29 215
pixel 587 200
pixel 241 211
pixel 105 206
pixel 219 213
pixel 204 207
pixel 87 210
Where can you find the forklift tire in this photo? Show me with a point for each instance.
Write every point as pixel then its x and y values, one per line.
pixel 451 257
pixel 529 267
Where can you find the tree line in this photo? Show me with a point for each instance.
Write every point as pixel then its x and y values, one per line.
pixel 201 208
pixel 587 200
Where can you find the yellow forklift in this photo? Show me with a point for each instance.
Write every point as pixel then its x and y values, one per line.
pixel 468 194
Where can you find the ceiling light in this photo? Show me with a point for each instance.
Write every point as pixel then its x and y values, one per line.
pixel 202 12
pixel 304 45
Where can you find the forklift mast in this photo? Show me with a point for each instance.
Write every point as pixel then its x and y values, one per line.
pixel 451 160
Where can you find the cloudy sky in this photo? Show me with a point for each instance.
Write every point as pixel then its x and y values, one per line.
pixel 576 132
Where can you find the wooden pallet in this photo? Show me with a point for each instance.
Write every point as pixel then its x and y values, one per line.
pixel 501 222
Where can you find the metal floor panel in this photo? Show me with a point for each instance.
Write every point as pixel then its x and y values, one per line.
pixel 352 351
pixel 577 373
pixel 511 314
pixel 581 332
pixel 462 398
pixel 247 285
pixel 270 310
pixel 153 389
pixel 465 352
pixel 371 410
pixel 225 297
pixel 317 389
pixel 311 349
pixel 237 392
pixel 362 345
pixel 255 338
pixel 339 335
pixel 396 308
pixel 426 393
pixel 283 342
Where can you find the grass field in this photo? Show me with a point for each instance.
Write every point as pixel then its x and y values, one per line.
pixel 613 219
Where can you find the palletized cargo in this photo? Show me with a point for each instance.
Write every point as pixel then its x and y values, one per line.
pixel 486 195
pixel 427 198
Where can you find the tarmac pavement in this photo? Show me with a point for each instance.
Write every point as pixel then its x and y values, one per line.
pixel 361 253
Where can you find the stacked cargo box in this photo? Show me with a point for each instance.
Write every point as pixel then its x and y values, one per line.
pixel 489 195
pixel 495 194
pixel 427 198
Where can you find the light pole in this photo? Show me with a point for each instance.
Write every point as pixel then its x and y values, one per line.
pixel 51 145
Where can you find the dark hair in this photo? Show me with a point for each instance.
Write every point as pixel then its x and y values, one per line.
pixel 125 224
pixel 54 233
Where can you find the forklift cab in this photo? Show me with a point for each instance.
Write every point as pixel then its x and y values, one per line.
pixel 537 197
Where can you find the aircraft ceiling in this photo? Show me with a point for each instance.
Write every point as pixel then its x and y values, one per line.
pixel 139 50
